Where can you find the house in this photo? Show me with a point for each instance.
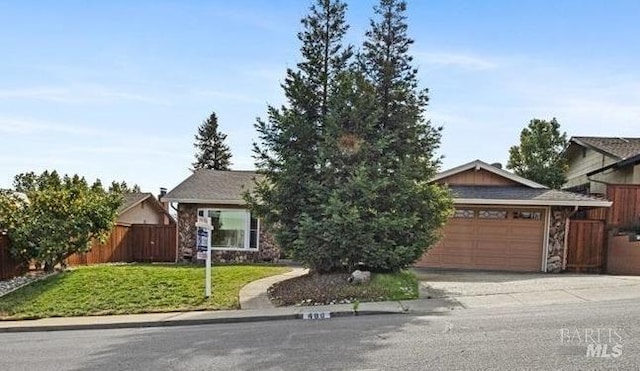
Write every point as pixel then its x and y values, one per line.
pixel 610 166
pixel 143 208
pixel 504 222
pixel 237 235
pixel 595 162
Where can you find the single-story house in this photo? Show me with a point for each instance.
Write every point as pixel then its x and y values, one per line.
pixel 595 162
pixel 237 235
pixel 504 222
pixel 143 208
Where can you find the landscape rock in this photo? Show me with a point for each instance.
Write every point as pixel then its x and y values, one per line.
pixel 359 277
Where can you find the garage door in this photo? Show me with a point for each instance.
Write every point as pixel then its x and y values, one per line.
pixel 490 238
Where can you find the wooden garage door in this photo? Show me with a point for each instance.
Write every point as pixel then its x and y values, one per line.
pixel 490 238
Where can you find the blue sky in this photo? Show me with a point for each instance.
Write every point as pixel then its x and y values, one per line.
pixel 116 89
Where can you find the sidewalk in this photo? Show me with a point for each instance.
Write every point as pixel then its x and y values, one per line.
pixel 253 301
pixel 420 306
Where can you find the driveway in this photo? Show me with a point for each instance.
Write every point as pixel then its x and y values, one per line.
pixel 482 289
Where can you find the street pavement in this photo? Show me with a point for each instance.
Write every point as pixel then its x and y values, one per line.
pixel 507 338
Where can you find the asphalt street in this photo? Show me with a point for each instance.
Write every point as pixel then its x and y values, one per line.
pixel 535 338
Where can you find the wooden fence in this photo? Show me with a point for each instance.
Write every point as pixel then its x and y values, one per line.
pixel 9 267
pixel 625 210
pixel 134 243
pixel 585 246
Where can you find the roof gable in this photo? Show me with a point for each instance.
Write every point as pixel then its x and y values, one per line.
pixel 130 200
pixel 618 148
pixel 213 186
pixel 497 176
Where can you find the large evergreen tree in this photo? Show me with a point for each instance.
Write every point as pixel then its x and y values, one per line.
pixel 212 151
pixel 539 155
pixel 290 140
pixel 348 159
pixel 410 209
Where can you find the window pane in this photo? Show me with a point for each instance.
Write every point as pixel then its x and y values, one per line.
pixel 492 214
pixel 463 214
pixel 527 215
pixel 228 228
pixel 253 239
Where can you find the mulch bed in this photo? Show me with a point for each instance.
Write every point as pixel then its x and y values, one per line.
pixel 321 289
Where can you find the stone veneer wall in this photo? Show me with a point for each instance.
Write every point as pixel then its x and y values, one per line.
pixel 188 215
pixel 557 232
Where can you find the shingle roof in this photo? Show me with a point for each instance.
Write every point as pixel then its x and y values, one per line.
pixel 523 196
pixel 622 148
pixel 130 199
pixel 213 185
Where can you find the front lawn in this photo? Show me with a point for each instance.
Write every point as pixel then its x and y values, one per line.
pixel 126 289
pixel 334 289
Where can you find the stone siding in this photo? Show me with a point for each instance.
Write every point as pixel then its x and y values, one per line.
pixel 557 233
pixel 187 217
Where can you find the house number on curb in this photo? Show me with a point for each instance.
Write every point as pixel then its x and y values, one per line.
pixel 316 315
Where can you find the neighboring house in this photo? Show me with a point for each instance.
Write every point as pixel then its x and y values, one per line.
pixel 504 222
pixel 143 208
pixel 595 162
pixel 237 235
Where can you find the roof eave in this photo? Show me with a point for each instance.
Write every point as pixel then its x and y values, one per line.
pixel 484 201
pixel 133 205
pixel 203 201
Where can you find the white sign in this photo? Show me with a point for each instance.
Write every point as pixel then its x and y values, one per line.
pixel 205 223
pixel 316 315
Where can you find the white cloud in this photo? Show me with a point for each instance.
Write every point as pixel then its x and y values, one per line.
pixel 9 125
pixel 455 60
pixel 77 93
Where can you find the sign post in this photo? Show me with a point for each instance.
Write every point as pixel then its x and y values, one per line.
pixel 205 223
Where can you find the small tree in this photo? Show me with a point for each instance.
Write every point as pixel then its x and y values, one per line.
pixel 539 155
pixel 49 218
pixel 212 152
pixel 123 188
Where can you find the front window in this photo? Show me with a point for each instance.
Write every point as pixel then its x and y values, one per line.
pixel 232 229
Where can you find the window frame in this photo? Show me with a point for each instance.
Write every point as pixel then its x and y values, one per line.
pixel 204 211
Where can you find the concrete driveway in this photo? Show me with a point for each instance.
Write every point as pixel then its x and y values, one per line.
pixel 488 289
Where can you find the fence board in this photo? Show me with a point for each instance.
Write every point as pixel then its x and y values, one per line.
pixel 585 250
pixel 135 243
pixel 625 210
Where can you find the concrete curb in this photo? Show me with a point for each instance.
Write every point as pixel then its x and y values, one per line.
pixel 184 322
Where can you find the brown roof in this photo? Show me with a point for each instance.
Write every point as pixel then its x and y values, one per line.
pixel 523 196
pixel 213 186
pixel 621 148
pixel 131 199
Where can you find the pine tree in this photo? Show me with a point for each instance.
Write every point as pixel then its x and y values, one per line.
pixel 291 197
pixel 212 152
pixel 410 210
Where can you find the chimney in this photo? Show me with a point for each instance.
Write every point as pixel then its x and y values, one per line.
pixel 165 205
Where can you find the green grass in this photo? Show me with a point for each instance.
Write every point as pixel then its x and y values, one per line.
pixel 127 289
pixel 398 286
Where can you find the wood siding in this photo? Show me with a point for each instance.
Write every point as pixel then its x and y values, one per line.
pixel 9 267
pixel 580 165
pixel 135 243
pixel 477 177
pixel 585 245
